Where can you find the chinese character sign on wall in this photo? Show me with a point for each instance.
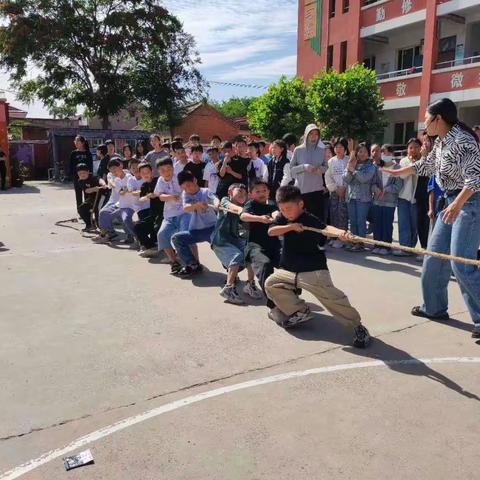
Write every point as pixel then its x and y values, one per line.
pixel 310 21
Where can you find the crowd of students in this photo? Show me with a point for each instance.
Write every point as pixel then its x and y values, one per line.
pixel 243 203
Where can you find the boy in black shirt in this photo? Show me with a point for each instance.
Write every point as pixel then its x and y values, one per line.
pixel 303 265
pixel 90 186
pixel 196 165
pixel 233 169
pixel 150 219
pixel 262 250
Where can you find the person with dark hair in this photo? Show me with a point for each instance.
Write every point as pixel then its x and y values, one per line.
pixel 210 174
pixel 303 265
pixel 261 154
pixel 359 176
pixel 215 142
pixel 180 158
pixel 262 252
pixel 111 150
pixel 476 130
pixel 81 155
pixel 3 169
pixel 157 153
pixel 90 186
pixel 127 155
pixel 257 167
pixel 277 167
pixel 455 162
pixel 140 150
pixel 291 141
pixel 376 154
pixel 308 166
pixel 337 187
pixel 233 169
pixel 196 165
pixel 102 154
pixel 407 200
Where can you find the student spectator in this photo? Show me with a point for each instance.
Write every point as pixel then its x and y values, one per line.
pixel 157 153
pixel 180 158
pixel 229 247
pixel 385 200
pixel 376 154
pixel 174 218
pixel 303 265
pixel 140 150
pixel 196 165
pixel 197 202
pixel 3 169
pixel 215 142
pixel 277 167
pixel 263 157
pixel 102 155
pixel 127 155
pixel 111 150
pixel 407 208
pixel 338 188
pixel 167 148
pixel 90 186
pixel 308 166
pixel 436 201
pixel 257 167
pixel 233 169
pixel 329 153
pixel 194 140
pixel 291 141
pixel 210 174
pixel 150 218
pixel 227 148
pixel 262 252
pixel 359 176
pixel 117 181
pixel 81 155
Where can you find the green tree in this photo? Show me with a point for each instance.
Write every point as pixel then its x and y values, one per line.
pixel 234 107
pixel 166 81
pixel 282 109
pixel 347 103
pixel 83 49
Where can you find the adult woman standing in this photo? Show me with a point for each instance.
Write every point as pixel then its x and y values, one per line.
pixel 455 161
pixel 81 154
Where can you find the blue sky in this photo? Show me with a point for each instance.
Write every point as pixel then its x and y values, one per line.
pixel 239 41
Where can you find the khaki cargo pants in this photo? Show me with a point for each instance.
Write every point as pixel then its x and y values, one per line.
pixel 281 286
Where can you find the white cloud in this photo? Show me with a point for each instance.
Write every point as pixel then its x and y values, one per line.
pixel 268 69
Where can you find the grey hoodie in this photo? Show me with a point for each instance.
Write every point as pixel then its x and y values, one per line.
pixel 309 154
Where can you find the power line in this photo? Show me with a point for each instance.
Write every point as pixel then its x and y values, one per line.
pixel 243 85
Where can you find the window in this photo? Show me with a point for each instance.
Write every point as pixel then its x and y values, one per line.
pixel 370 62
pixel 343 56
pixel 345 6
pixel 330 57
pixel 446 49
pixel 403 132
pixel 409 57
pixel 332 8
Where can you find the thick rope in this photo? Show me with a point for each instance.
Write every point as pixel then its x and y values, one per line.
pixel 416 251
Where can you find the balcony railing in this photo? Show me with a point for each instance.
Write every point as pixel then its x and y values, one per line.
pixel 399 73
pixel 366 3
pixel 459 62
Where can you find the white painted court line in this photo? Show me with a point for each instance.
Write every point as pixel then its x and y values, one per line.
pixel 169 407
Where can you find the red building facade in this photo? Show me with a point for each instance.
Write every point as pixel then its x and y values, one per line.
pixel 421 50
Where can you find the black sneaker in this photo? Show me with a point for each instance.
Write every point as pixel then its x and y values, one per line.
pixel 188 271
pixel 476 331
pixel 418 312
pixel 362 337
pixel 175 267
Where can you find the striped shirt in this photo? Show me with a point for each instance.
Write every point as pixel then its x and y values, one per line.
pixel 454 160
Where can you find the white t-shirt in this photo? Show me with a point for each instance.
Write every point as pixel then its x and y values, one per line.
pixel 178 167
pixel 409 183
pixel 125 200
pixel 118 184
pixel 133 185
pixel 172 208
pixel 261 171
pixel 210 174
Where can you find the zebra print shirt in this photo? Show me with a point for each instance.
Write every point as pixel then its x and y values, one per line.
pixel 454 160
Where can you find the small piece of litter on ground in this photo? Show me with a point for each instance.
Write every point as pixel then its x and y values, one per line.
pixel 83 458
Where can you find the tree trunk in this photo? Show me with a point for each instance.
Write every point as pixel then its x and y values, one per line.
pixel 105 122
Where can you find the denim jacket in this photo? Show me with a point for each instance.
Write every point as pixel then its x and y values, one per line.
pixel 360 182
pixel 391 189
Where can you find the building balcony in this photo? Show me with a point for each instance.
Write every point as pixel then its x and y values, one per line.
pixel 401 91
pixel 384 15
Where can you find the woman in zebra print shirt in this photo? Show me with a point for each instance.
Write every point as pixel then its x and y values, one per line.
pixel 455 162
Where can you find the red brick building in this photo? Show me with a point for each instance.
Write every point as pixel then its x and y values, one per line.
pixel 421 50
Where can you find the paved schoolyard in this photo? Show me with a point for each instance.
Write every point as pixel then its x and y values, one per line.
pixel 164 380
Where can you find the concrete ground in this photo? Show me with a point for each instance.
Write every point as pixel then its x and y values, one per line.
pixel 93 335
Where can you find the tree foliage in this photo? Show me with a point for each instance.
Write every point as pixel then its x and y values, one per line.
pixel 234 107
pixel 280 110
pixel 347 104
pixel 85 50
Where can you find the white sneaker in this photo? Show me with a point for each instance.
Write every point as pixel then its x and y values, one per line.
pixel 337 244
pixel 231 295
pixel 400 253
pixel 298 318
pixel 383 251
pixel 252 291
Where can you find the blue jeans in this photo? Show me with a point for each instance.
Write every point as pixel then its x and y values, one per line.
pixel 106 217
pixel 383 223
pixel 126 215
pixel 183 240
pixel 357 213
pixel 170 226
pixel 407 223
pixel 232 253
pixel 461 239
